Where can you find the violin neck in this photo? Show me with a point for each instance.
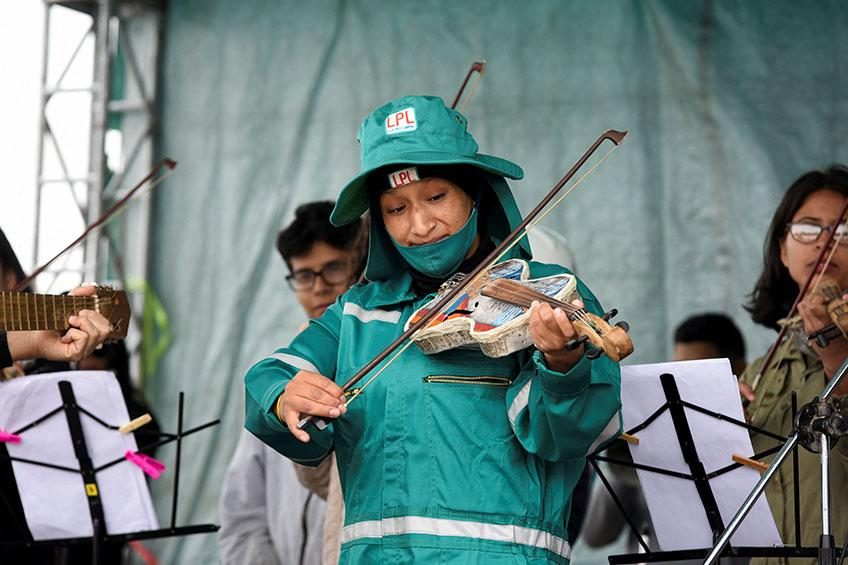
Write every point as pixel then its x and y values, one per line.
pixel 519 294
pixel 26 311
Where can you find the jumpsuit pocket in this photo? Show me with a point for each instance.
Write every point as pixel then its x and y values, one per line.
pixel 476 464
pixel 482 380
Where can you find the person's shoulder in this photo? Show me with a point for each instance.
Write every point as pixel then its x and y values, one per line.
pixel 539 269
pixel 379 294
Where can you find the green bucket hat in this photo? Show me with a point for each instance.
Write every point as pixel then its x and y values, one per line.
pixel 413 130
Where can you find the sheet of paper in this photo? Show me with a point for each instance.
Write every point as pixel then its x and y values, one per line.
pixel 675 507
pixel 55 501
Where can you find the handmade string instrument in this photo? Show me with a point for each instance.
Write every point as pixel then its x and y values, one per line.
pixel 399 345
pixel 837 309
pixel 23 311
pixel 493 314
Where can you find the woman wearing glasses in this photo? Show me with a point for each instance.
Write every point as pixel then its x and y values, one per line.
pixel 805 216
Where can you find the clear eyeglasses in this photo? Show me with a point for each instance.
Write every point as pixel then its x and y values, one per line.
pixel 809 232
pixel 334 272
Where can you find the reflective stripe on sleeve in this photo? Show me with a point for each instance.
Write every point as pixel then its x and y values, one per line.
pixel 610 431
pixel 295 361
pixel 519 403
pixel 456 528
pixel 363 315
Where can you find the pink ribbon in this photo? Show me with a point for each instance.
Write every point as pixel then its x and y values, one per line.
pixel 9 438
pixel 146 463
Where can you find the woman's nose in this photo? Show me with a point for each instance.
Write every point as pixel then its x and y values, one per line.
pixel 422 222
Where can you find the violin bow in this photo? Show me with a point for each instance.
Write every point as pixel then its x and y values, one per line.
pixel 823 260
pixel 616 137
pixel 166 162
pixel 477 66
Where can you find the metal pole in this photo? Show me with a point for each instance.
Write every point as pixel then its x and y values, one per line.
pixel 99 115
pixel 770 472
pixel 42 130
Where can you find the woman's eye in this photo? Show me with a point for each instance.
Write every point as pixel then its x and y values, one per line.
pixel 437 197
pixel 395 210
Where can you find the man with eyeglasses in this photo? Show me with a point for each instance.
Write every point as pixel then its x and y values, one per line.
pixel 323 260
pixel 266 516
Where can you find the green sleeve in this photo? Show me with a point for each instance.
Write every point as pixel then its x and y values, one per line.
pixel 314 349
pixel 562 416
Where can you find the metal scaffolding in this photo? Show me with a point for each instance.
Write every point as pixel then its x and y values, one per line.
pixel 127 36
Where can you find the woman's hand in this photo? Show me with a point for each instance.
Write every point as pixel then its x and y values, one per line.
pixel 309 394
pixel 813 312
pixel 551 330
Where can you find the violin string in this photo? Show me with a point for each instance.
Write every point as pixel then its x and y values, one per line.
pixel 377 374
pixel 824 267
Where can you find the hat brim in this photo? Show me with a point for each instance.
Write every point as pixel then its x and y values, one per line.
pixel 353 199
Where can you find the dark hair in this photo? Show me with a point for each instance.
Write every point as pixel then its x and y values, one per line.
pixel 8 260
pixel 117 360
pixel 311 224
pixel 775 290
pixel 716 329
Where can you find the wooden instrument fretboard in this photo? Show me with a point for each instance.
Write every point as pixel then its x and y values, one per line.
pixel 26 311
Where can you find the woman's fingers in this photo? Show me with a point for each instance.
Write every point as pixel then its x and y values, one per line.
pixel 550 327
pixel 310 394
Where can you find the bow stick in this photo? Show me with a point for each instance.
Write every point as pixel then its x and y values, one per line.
pixel 821 261
pixel 166 162
pixel 478 67
pixel 512 239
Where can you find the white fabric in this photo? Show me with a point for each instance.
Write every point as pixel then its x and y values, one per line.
pixel 456 528
pixel 390 316
pixel 295 361
pixel 261 509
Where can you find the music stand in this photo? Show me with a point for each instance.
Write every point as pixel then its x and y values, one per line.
pixel 73 412
pixel 696 472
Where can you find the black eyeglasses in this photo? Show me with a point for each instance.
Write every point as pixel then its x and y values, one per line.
pixel 334 272
pixel 809 232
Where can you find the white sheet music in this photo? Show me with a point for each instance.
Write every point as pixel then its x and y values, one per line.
pixel 676 510
pixel 55 501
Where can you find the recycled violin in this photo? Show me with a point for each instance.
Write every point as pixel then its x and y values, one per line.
pixel 493 314
pixel 404 340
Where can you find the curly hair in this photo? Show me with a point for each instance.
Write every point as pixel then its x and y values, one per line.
pixel 775 291
pixel 311 224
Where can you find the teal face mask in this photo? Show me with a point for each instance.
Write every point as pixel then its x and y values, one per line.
pixel 441 258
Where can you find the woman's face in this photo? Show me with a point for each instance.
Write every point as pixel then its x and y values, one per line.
pixel 820 208
pixel 426 211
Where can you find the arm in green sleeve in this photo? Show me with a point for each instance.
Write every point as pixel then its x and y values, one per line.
pixel 314 349
pixel 561 416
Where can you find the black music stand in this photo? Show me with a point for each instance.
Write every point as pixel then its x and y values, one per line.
pixel 675 405
pixel 88 472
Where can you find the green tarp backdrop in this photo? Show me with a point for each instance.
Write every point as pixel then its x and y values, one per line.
pixel 726 102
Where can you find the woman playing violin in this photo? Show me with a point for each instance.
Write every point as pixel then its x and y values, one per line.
pixel 808 212
pixel 451 457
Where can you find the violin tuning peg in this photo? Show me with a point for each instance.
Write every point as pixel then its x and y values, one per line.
pixel 623 325
pixel 593 353
pixel 575 343
pixel 610 314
